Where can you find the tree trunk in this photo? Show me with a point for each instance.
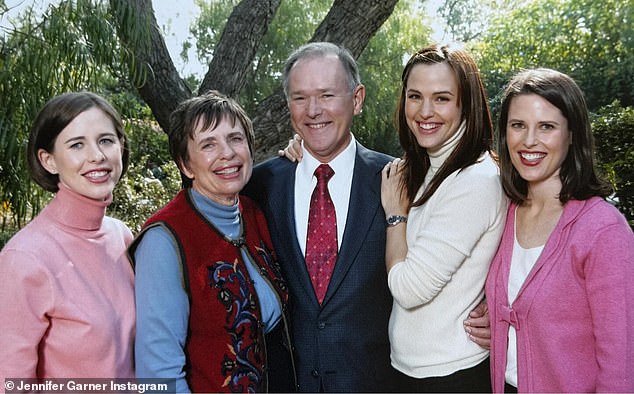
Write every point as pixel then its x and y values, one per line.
pixel 161 86
pixel 240 40
pixel 350 23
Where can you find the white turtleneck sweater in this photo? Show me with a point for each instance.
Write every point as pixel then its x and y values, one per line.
pixel 451 240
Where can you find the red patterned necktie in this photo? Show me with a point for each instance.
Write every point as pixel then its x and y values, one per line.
pixel 321 240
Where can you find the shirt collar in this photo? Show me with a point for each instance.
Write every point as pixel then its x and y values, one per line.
pixel 341 164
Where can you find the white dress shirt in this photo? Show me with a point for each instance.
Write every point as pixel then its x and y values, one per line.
pixel 339 187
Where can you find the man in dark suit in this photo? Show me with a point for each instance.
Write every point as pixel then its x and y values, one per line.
pixel 340 338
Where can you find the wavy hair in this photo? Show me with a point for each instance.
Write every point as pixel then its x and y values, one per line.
pixel 478 136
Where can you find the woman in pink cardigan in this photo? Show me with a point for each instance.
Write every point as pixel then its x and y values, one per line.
pixel 560 289
pixel 67 296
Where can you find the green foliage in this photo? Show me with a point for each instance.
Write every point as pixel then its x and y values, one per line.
pixel 468 19
pixel 152 178
pixel 589 40
pixel 613 129
pixel 69 46
pixel 381 65
pixel 143 191
pixel 66 33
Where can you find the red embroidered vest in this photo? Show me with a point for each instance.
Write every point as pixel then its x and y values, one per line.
pixel 225 346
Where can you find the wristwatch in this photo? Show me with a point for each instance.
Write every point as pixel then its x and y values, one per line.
pixel 393 220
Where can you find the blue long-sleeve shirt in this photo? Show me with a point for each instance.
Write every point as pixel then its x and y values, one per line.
pixel 162 306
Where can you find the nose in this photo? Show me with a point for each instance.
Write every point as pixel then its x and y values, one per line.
pixel 226 150
pixel 314 106
pixel 426 109
pixel 97 155
pixel 530 137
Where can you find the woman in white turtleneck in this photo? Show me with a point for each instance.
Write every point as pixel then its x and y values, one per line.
pixel 445 208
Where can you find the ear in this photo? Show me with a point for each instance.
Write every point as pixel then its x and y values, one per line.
pixel 47 160
pixel 185 170
pixel 358 96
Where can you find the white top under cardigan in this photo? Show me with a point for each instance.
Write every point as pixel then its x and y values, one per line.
pixel 451 240
pixel 522 263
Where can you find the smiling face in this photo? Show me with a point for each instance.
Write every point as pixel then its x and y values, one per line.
pixel 86 155
pixel 432 107
pixel 537 138
pixel 219 161
pixel 322 106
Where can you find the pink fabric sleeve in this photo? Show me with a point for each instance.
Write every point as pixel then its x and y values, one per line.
pixel 609 283
pixel 25 297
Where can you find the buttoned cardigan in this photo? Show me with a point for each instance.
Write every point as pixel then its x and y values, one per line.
pixel 574 314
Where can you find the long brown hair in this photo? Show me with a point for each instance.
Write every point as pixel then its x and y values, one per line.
pixel 579 178
pixel 478 136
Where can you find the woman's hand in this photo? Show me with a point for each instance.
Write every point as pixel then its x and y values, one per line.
pixel 394 202
pixel 478 326
pixel 293 150
pixel 393 197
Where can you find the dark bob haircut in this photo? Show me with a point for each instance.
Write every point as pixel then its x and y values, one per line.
pixel 56 114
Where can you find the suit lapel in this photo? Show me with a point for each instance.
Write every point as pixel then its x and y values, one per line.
pixel 282 203
pixel 365 199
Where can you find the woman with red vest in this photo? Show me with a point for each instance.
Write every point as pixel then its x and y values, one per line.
pixel 210 298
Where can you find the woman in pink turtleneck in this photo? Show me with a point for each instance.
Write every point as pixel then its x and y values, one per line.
pixel 67 297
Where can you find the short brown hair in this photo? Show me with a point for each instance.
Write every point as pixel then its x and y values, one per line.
pixel 211 108
pixel 56 114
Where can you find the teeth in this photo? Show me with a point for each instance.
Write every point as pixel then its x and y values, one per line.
pixel 227 171
pixel 532 156
pixel 427 126
pixel 96 174
pixel 317 126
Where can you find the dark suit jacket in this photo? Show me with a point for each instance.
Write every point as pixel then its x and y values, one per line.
pixel 343 344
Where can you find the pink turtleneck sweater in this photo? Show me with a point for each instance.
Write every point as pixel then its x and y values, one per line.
pixel 67 296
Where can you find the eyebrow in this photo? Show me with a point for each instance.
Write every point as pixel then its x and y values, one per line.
pixel 207 139
pixel 83 137
pixel 74 139
pixel 433 93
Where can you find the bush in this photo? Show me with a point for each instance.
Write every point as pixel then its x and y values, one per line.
pixel 613 128
pixel 152 179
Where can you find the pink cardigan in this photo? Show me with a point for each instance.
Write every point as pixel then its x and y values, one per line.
pixel 574 315
pixel 67 295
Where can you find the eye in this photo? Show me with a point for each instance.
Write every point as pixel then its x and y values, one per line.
pixel 547 126
pixel 237 138
pixel 107 141
pixel 442 99
pixel 516 125
pixel 76 145
pixel 413 96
